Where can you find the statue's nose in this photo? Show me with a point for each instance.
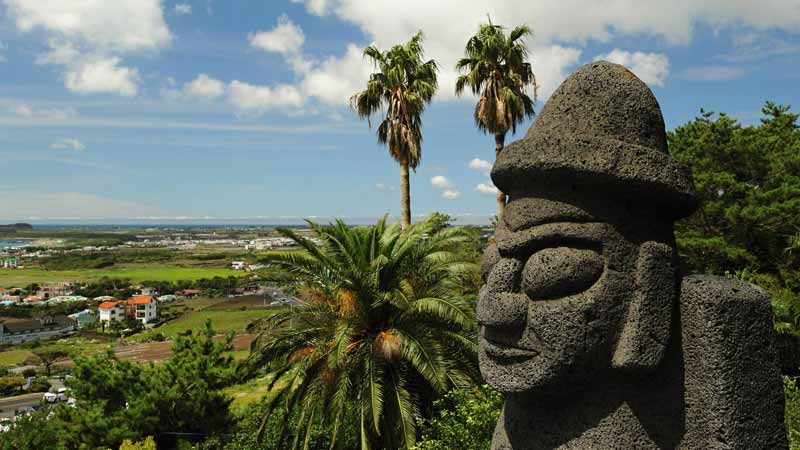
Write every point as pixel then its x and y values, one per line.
pixel 499 304
pixel 504 309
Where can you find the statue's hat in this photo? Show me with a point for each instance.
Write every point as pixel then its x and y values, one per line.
pixel 601 128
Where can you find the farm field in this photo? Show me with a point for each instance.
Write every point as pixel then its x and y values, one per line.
pixel 24 277
pixel 222 321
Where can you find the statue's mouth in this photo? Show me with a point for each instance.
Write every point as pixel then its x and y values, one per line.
pixel 502 344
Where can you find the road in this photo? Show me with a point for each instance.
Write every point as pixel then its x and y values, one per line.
pixel 10 404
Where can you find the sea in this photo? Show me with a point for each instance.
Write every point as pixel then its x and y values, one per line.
pixel 10 245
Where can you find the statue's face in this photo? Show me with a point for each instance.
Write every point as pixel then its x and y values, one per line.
pixel 555 297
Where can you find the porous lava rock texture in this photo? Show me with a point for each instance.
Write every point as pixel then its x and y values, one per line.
pixel 587 327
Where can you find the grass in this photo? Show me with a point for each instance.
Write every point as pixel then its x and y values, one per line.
pixel 251 392
pixel 13 358
pixel 222 321
pixel 24 277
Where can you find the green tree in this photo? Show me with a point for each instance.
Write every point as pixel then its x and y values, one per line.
pixel 748 180
pixel 49 356
pixel 387 327
pixel 401 88
pixel 792 413
pixel 33 431
pixel 495 67
pixel 181 397
pixel 465 421
pixel 148 444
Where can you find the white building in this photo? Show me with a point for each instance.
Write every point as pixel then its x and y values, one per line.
pixel 111 312
pixel 145 308
pixel 43 328
pixel 238 265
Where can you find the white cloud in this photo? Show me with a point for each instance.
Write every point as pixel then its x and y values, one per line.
pixel 652 68
pixel 450 194
pixel 480 164
pixel 486 189
pixel 318 7
pixel 560 27
pixel 67 144
pixel 30 112
pixel 183 8
pixel 88 38
pixel 203 87
pixel 61 205
pixel 382 187
pixel 102 76
pixel 440 182
pixel 335 79
pixel 285 38
pixel 256 100
pixel 3 48
pixel 121 25
pixel 713 73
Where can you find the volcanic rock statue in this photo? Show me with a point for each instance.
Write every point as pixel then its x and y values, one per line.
pixel 587 326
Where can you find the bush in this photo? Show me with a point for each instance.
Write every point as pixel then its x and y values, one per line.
pixel 792 394
pixel 465 421
pixel 40 384
pixel 11 384
pixel 29 372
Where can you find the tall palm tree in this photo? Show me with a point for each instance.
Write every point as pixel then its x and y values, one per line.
pixel 401 88
pixel 387 326
pixel 495 68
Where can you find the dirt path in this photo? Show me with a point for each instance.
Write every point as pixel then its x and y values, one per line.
pixel 159 351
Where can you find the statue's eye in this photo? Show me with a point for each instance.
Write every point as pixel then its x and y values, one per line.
pixel 560 271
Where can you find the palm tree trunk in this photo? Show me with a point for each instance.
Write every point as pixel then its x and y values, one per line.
pixel 405 197
pixel 499 140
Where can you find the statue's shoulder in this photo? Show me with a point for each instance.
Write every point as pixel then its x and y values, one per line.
pixel 728 296
pixel 731 372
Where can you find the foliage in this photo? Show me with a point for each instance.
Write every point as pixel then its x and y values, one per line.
pixel 792 397
pixel 10 384
pixel 388 326
pixel 495 68
pixel 148 444
pixel 465 421
pixel 33 431
pixel 401 88
pixel 49 356
pixel 748 179
pixel 119 400
pixel 403 85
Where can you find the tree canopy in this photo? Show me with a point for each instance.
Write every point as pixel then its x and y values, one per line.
pixel 388 326
pixel 748 225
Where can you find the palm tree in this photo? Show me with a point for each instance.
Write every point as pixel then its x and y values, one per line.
pixel 495 68
pixel 401 87
pixel 386 326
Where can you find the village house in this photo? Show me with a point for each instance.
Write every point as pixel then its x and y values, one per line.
pixel 56 289
pixel 10 263
pixel 111 311
pixel 84 318
pixel 144 308
pixel 22 331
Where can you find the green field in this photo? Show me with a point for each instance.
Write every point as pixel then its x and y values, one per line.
pixel 24 277
pixel 12 358
pixel 222 321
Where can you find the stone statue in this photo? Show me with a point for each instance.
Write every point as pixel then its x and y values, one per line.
pixel 586 325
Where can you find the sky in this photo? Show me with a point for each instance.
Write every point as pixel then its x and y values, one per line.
pixel 236 111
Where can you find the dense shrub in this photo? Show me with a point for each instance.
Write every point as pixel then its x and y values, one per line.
pixel 465 420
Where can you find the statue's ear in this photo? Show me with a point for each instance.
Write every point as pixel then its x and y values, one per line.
pixel 646 331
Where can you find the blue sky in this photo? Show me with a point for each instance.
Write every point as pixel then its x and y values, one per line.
pixel 210 110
